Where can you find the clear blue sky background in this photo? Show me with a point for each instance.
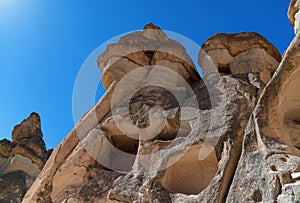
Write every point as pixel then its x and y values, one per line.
pixel 43 44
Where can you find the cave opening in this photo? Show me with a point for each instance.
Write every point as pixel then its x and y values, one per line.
pixel 189 175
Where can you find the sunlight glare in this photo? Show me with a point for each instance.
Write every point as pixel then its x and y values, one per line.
pixel 4 2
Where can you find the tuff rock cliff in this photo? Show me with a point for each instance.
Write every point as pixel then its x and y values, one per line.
pixel 22 159
pixel 163 133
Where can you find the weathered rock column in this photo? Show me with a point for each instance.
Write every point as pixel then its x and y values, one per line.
pixel 22 159
pixel 235 72
pixel 154 77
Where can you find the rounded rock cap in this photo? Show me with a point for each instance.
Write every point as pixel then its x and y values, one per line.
pixel 237 43
pixel 143 48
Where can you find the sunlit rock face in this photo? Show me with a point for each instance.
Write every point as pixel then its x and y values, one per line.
pixel 22 159
pixel 162 133
pixel 294 15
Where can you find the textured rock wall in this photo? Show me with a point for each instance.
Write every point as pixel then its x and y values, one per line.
pixel 22 159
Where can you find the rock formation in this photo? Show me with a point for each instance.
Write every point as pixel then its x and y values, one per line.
pixel 271 141
pixel 22 159
pixel 294 15
pixel 162 133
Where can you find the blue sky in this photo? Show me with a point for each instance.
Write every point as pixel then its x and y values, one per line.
pixel 43 44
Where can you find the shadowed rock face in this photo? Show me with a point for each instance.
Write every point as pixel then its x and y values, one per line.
pixel 13 186
pixel 190 175
pixel 22 159
pixel 233 138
